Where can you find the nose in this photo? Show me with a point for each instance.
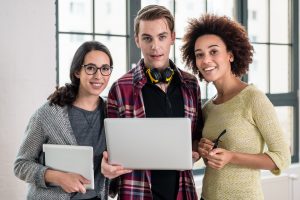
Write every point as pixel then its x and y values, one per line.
pixel 154 44
pixel 98 74
pixel 206 59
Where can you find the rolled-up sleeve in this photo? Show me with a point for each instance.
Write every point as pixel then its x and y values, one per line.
pixel 268 124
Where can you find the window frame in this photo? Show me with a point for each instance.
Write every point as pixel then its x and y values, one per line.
pixel 289 98
pixel 133 55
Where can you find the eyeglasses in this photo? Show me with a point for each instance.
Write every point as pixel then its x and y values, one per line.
pixel 216 141
pixel 92 69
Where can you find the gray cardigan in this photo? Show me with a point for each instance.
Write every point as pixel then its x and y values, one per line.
pixel 49 124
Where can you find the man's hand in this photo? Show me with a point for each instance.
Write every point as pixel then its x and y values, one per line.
pixel 111 171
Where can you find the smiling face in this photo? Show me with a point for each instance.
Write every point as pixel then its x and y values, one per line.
pixel 155 39
pixel 212 57
pixel 93 85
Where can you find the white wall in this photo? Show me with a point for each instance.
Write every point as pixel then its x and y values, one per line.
pixel 27 77
pixel 286 186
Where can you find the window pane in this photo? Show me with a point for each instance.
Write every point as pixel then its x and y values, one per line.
pixel 172 54
pixel 258 20
pixel 68 44
pixel 208 90
pixel 110 17
pixel 258 70
pixel 117 47
pixel 75 16
pixel 202 85
pixel 178 57
pixel 286 118
pixel 279 23
pixel 185 10
pixel 221 7
pixel 211 90
pixel 167 3
pixel 280 73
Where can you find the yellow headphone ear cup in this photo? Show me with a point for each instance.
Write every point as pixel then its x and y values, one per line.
pixel 155 76
pixel 152 77
pixel 168 75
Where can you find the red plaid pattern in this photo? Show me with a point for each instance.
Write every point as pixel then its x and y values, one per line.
pixel 125 100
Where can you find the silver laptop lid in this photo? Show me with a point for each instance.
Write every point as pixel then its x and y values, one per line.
pixel 149 143
pixel 71 158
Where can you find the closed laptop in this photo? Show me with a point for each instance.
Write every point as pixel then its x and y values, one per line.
pixel 71 158
pixel 149 143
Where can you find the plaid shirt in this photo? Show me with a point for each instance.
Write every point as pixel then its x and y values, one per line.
pixel 125 101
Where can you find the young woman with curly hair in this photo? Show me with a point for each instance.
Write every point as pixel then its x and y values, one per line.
pixel 239 120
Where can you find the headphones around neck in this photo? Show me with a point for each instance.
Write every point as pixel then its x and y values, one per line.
pixel 156 76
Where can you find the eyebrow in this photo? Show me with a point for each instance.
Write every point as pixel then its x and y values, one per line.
pixel 164 33
pixel 213 45
pixel 91 64
pixel 148 35
pixel 97 65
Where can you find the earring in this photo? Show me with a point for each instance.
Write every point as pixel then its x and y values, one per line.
pixel 231 59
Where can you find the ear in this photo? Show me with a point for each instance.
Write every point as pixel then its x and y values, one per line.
pixel 231 56
pixel 173 37
pixel 137 42
pixel 77 74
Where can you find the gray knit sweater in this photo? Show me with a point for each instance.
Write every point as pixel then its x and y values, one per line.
pixel 49 124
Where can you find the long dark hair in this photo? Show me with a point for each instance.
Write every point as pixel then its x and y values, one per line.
pixel 67 94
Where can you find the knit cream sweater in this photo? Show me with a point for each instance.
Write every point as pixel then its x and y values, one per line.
pixel 250 121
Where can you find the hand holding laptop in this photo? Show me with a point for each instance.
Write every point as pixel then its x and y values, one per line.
pixel 149 143
pixel 73 166
pixel 69 182
pixel 112 171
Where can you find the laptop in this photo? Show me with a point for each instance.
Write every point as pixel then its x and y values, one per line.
pixel 71 158
pixel 149 143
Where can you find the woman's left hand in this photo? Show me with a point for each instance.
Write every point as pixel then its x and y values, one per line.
pixel 218 158
pixel 195 156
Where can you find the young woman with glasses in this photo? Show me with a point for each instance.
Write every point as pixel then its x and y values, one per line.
pixel 239 120
pixel 73 115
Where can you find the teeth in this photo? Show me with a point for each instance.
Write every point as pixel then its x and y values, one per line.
pixel 96 84
pixel 209 68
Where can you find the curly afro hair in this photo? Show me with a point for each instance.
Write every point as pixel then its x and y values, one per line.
pixel 233 35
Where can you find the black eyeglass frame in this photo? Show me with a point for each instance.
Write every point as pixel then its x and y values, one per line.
pixel 216 141
pixel 97 68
